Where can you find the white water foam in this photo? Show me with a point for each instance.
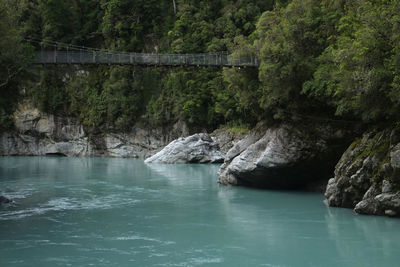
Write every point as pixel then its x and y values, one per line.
pixel 64 204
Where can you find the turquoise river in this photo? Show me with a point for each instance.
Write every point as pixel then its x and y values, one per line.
pixel 122 212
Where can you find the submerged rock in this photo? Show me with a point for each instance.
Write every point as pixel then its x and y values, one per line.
pixel 198 148
pixel 367 177
pixel 4 200
pixel 283 157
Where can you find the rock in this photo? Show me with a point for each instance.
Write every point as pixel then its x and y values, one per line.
pixel 226 139
pixel 26 117
pixel 331 192
pixel 367 206
pixel 367 177
pixel 395 157
pixel 118 146
pixel 29 120
pixel 4 200
pixel 198 148
pixel 386 187
pixel 282 157
pixel 39 134
pixel 390 213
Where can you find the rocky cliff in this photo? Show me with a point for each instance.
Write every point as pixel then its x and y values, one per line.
pixel 367 177
pixel 284 157
pixel 40 134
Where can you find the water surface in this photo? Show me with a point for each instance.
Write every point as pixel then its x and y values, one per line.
pixel 122 212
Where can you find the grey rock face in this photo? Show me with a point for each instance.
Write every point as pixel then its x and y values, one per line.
pixel 198 148
pixel 367 177
pixel 281 157
pixel 40 134
pixel 226 140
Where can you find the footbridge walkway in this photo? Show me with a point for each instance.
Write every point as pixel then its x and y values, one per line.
pixel 50 52
pixel 99 57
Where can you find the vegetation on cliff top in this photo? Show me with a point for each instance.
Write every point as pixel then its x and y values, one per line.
pixel 318 58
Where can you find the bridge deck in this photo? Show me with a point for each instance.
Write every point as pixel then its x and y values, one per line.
pixel 115 58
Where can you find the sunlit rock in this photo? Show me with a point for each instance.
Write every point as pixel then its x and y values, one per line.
pixel 283 157
pixel 198 148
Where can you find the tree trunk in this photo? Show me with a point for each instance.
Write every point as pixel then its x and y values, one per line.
pixel 173 1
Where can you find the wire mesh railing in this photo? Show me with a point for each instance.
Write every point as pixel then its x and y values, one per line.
pixel 121 58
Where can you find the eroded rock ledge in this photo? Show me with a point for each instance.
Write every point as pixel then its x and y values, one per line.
pixel 284 157
pixel 367 177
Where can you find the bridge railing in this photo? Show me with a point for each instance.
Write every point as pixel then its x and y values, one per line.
pixel 117 58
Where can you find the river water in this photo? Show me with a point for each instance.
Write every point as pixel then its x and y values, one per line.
pixel 122 212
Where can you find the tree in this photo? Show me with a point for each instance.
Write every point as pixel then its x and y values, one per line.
pixel 290 40
pixel 14 59
pixel 358 73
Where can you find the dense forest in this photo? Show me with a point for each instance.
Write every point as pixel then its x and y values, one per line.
pixel 332 59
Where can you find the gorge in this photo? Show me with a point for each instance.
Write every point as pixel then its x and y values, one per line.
pixel 199 132
pixel 283 157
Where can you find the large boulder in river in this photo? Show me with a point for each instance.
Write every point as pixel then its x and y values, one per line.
pixel 284 157
pixel 367 177
pixel 198 148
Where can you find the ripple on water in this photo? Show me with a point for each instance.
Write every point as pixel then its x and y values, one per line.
pixel 21 194
pixel 65 203
pixel 142 238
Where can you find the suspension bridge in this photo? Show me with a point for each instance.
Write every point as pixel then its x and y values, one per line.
pixel 59 53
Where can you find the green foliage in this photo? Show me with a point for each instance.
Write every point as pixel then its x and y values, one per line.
pixel 59 19
pixel 330 57
pixel 358 73
pixel 236 128
pixel 14 58
pixel 117 97
pixel 290 40
pixel 127 24
pixel 113 97
pixel 238 101
pixel 209 26
pixel 49 94
pixel 211 97
pixel 186 96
